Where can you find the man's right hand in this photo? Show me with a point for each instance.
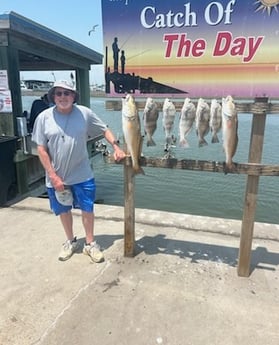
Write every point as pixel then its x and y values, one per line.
pixel 56 182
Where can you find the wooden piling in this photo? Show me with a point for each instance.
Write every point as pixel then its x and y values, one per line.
pixel 250 202
pixel 129 208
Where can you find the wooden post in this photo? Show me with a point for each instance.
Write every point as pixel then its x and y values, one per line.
pixel 129 208
pixel 255 156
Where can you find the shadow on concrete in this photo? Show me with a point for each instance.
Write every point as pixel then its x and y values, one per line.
pixel 261 258
pixel 196 252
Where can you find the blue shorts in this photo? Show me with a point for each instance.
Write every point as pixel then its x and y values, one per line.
pixel 83 198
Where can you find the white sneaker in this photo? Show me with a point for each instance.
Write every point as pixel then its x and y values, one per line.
pixel 68 249
pixel 93 250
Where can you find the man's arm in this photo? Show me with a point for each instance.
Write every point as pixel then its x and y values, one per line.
pixel 118 153
pixel 56 181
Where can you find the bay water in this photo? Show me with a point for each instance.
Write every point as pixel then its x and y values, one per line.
pixel 184 191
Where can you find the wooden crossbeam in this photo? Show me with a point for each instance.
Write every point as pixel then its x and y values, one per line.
pixel 252 169
pixel 241 107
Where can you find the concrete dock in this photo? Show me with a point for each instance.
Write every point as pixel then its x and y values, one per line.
pixel 181 288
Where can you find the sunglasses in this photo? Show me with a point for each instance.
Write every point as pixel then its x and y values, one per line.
pixel 62 93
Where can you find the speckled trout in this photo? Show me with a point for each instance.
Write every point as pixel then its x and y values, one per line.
pixel 132 131
pixel 229 128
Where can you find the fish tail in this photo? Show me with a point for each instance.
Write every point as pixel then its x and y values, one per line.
pixel 150 142
pixel 215 139
pixel 229 166
pixel 138 170
pixel 183 143
pixel 202 142
pixel 168 140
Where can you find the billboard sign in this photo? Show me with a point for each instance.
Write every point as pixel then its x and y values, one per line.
pixel 199 48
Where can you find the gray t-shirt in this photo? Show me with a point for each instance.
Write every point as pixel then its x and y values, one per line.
pixel 65 138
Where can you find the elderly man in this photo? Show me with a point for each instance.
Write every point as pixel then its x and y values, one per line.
pixel 61 134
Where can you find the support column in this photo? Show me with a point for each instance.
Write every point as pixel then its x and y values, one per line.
pixel 83 87
pixel 9 61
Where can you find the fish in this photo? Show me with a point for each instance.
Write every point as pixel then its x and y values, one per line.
pixel 150 117
pixel 229 129
pixel 202 121
pixel 186 121
pixel 132 131
pixel 215 122
pixel 169 112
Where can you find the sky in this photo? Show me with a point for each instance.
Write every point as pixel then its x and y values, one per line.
pixel 71 19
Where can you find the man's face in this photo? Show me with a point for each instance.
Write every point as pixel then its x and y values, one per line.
pixel 63 99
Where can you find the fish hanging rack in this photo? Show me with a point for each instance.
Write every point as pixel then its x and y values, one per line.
pixel 256 106
pixel 259 108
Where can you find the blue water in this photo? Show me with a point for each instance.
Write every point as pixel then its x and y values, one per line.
pixel 191 192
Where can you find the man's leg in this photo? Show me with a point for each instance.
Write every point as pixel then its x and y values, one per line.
pixel 88 224
pixel 67 222
pixel 91 248
pixel 70 246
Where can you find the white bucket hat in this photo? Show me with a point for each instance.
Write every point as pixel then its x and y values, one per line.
pixel 65 197
pixel 64 84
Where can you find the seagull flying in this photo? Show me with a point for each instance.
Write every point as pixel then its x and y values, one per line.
pixel 93 29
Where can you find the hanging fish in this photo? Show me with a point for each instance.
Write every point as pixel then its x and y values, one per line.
pixel 168 120
pixel 229 129
pixel 150 117
pixel 215 122
pixel 132 131
pixel 202 121
pixel 186 121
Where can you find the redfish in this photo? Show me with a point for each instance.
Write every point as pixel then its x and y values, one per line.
pixel 132 131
